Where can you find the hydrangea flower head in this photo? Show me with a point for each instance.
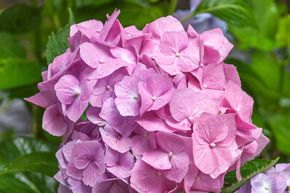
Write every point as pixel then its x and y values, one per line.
pixel 153 110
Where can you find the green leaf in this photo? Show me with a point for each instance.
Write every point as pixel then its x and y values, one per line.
pixel 234 12
pixel 10 46
pixel 253 39
pixel 18 72
pixel 22 146
pixel 265 15
pixel 283 34
pixel 19 155
pixel 20 18
pixel 57 43
pixel 131 13
pixel 82 3
pixel 27 183
pixel 254 82
pixel 249 170
pixel 41 162
pixel 280 125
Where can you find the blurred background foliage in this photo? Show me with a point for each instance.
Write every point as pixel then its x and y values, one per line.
pixel 33 32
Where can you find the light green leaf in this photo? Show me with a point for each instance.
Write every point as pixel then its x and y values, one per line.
pixel 18 72
pixel 20 18
pixel 22 146
pixel 82 3
pixel 283 34
pixel 249 170
pixel 234 12
pixel 10 46
pixel 41 162
pixel 27 183
pixel 57 43
pixel 253 39
pixel 131 13
pixel 253 82
pixel 23 163
pixel 280 125
pixel 265 15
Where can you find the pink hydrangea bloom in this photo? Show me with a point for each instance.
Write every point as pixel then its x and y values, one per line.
pixel 153 110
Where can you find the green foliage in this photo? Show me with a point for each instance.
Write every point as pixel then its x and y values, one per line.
pixel 20 18
pixel 18 72
pixel 280 124
pixel 259 30
pixel 283 34
pixel 249 170
pixel 27 183
pixel 131 13
pixel 10 46
pixel 27 155
pixel 57 43
pixel 234 12
pixel 265 15
pixel 82 3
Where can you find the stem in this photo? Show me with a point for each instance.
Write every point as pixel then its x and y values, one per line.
pixel 186 18
pixel 172 6
pixel 281 78
pixel 37 122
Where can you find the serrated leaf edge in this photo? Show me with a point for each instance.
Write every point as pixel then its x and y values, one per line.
pixel 238 184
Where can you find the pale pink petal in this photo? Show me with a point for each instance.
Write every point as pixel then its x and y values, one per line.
pixel 239 101
pixel 127 100
pixel 67 89
pixel 116 141
pixel 187 104
pixel 157 159
pixel 180 164
pixel 53 121
pixel 217 47
pixel 151 122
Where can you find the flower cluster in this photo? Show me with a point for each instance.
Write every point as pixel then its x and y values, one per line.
pixel 275 180
pixel 153 111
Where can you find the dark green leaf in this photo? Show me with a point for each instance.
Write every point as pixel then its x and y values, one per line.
pixel 280 125
pixel 42 162
pixel 57 43
pixel 18 72
pixel 253 83
pixel 234 12
pixel 131 13
pixel 22 154
pixel 249 170
pixel 21 146
pixel 253 39
pixel 20 18
pixel 27 183
pixel 283 34
pixel 265 15
pixel 82 3
pixel 10 46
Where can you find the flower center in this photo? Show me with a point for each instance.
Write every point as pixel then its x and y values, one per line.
pixel 177 54
pixel 108 87
pixel 170 154
pixel 153 98
pixel 77 91
pixel 212 145
pixel 135 97
pixel 101 61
